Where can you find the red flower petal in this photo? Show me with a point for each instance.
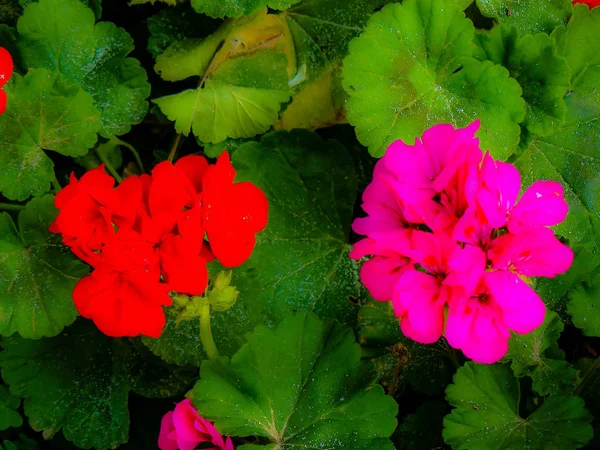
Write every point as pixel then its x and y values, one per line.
pixel 194 168
pixel 2 101
pixel 6 69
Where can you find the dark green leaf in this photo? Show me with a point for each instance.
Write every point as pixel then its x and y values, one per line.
pixel 301 385
pixel 9 416
pixel 537 355
pixel 302 255
pixel 422 430
pixel 37 274
pixel 486 415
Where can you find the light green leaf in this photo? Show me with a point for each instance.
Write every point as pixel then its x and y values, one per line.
pixel 301 385
pixel 571 155
pixel 180 343
pixel 45 112
pixel 9 416
pixel 61 35
pixel 413 68
pixel 427 368
pixel 37 274
pixel 79 382
pixel 584 306
pixel 242 83
pixel 302 255
pixel 537 355
pixel 422 430
pixel 237 8
pixel 209 111
pixel 528 16
pixel 486 398
pixel 534 63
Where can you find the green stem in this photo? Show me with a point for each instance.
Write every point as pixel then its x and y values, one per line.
pixel 174 148
pixel 132 149
pixel 10 207
pixel 56 185
pixel 206 334
pixel 109 166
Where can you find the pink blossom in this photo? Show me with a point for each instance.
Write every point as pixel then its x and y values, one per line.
pixel 184 429
pixel 451 243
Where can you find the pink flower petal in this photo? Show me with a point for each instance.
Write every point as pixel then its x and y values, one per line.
pixel 523 310
pixel 417 301
pixel 228 445
pixel 488 351
pixel 542 204
pixel 184 419
pixel 165 440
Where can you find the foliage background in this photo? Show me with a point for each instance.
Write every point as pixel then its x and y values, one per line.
pixel 177 75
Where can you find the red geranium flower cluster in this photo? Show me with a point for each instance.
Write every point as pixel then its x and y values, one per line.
pixel 146 238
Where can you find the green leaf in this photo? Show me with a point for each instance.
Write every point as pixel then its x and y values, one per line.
pixel 152 2
pixel 243 82
pixel 528 16
pixel 302 255
pixel 37 274
pixel 413 68
pixel 237 8
pixel 176 24
pixel 299 385
pixel 180 343
pixel 79 382
pixel 427 368
pixel 9 416
pixel 589 389
pixel 537 355
pixel 61 35
pixel 44 112
pixel 533 62
pixel 422 430
pixel 24 443
pixel 486 398
pixel 584 306
pixel 322 30
pixel 571 154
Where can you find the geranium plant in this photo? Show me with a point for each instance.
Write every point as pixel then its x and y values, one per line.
pixel 245 224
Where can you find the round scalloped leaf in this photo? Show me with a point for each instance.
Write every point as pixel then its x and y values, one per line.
pixel 413 68
pixel 44 112
pixel 302 255
pixel 528 16
pixel 61 35
pixel 244 69
pixel 208 111
pixel 301 385
pixel 237 8
pixel 80 381
pixel 180 343
pixel 486 415
pixel 584 306
pixel 537 355
pixel 543 75
pixel 37 274
pixel 571 154
pixel 9 416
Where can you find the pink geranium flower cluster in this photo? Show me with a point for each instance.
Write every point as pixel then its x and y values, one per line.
pixel 184 429
pixel 451 245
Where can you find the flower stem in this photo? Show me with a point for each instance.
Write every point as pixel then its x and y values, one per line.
pixel 174 148
pixel 109 166
pixel 10 207
pixel 132 149
pixel 206 334
pixel 56 185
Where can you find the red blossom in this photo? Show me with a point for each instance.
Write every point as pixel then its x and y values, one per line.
pixel 146 238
